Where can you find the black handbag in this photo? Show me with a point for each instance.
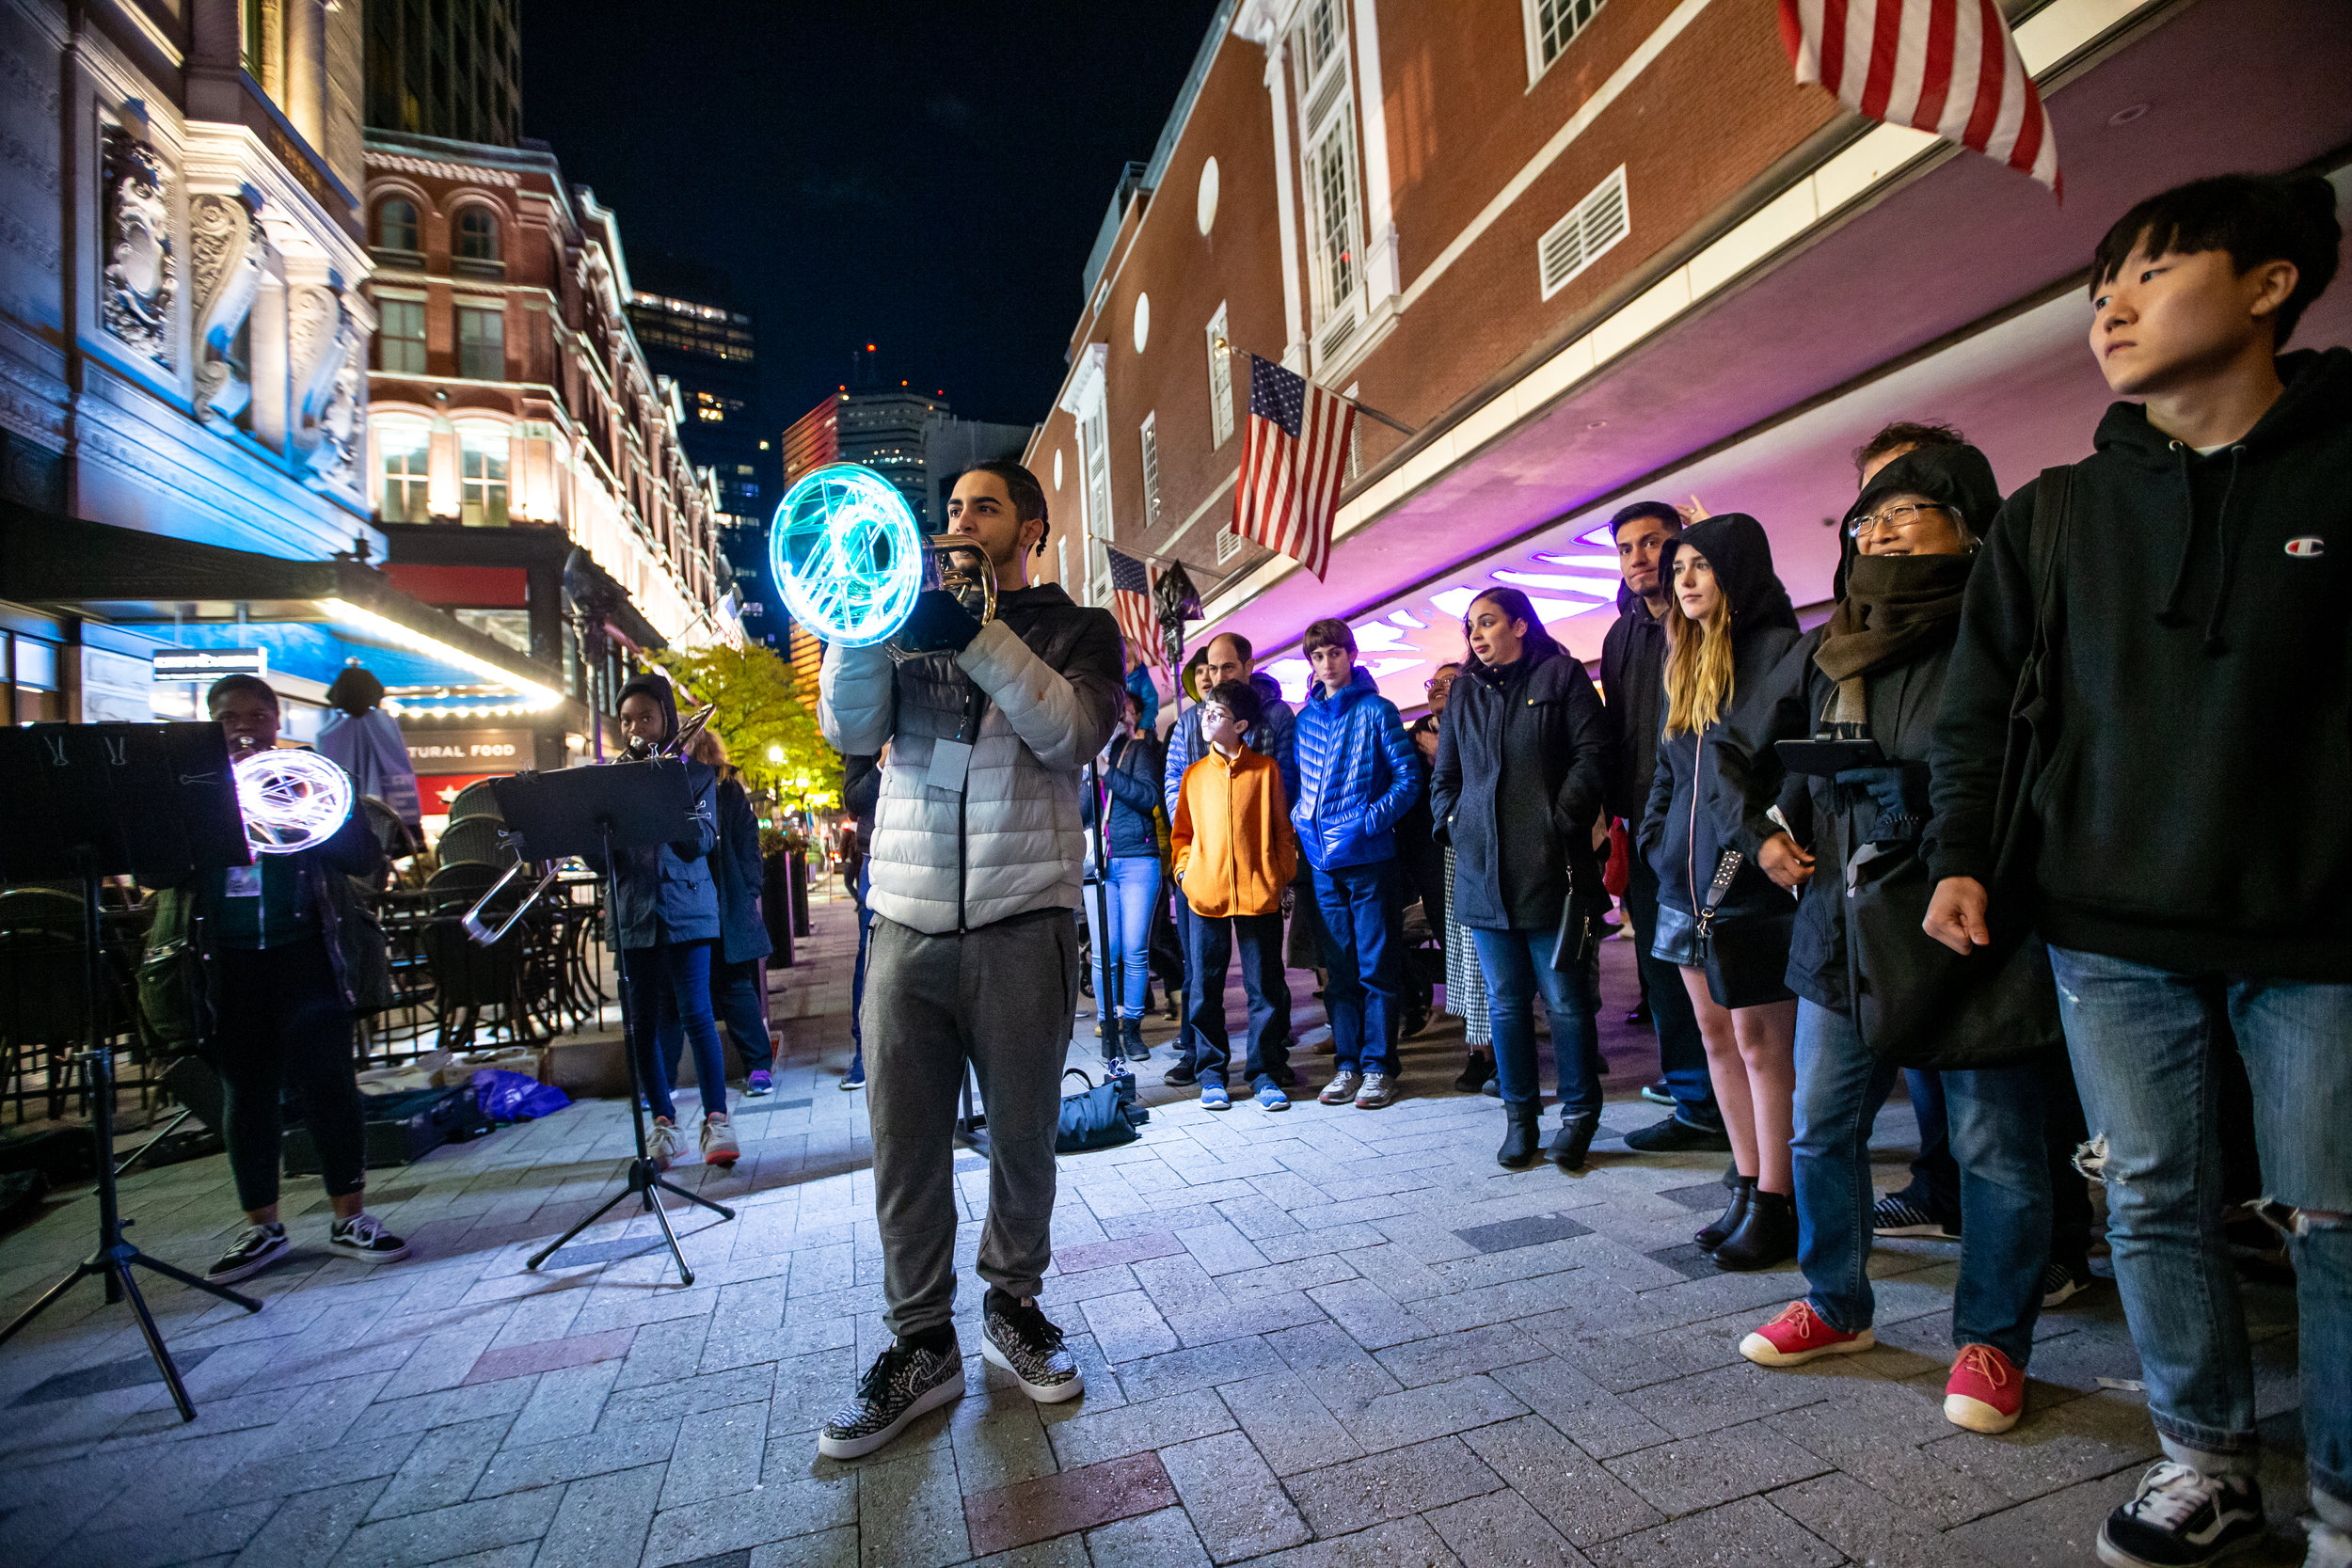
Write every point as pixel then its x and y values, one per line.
pixel 1747 962
pixel 1097 1117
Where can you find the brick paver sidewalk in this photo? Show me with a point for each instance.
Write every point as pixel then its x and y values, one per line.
pixel 1319 1338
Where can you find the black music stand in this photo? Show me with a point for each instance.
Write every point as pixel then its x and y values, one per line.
pixel 97 800
pixel 590 811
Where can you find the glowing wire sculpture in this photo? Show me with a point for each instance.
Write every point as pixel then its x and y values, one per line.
pixel 847 554
pixel 290 800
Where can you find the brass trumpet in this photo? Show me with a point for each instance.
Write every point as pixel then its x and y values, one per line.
pixel 688 730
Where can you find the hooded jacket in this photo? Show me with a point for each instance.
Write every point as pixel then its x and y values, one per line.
pixel 1679 832
pixel 1790 702
pixel 2192 810
pixel 1357 773
pixel 1516 787
pixel 1234 851
pixel 1274 735
pixel 740 873
pixel 668 892
pixel 1035 693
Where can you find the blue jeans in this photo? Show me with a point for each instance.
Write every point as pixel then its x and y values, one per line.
pixel 1995 1116
pixel 857 974
pixel 674 975
pixel 1516 965
pixel 1128 893
pixel 1260 938
pixel 2144 1042
pixel 1681 1053
pixel 738 1001
pixel 1363 923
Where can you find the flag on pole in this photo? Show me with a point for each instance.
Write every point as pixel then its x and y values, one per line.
pixel 1131 605
pixel 1292 465
pixel 1947 66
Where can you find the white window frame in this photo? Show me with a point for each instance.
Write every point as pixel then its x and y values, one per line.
pixel 412 480
pixel 1329 162
pixel 1580 14
pixel 411 355
pixel 1147 438
pixel 1220 380
pixel 1608 205
pixel 479 495
pixel 1095 454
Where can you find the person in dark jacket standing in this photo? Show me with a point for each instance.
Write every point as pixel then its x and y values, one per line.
pixel 1633 676
pixel 666 921
pixel 2193 842
pixel 1131 883
pixel 1357 773
pixel 1518 790
pixel 1732 622
pixel 1873 675
pixel 739 963
pixel 286 999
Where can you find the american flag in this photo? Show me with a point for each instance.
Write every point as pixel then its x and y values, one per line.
pixel 1292 465
pixel 1945 66
pixel 1131 605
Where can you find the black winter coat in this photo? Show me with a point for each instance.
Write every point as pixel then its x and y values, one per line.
pixel 1518 785
pixel 736 866
pixel 1633 675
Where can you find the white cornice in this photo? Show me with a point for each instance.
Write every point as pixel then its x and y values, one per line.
pixel 432 168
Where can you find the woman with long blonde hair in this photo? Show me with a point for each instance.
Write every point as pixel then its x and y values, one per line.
pixel 1720 919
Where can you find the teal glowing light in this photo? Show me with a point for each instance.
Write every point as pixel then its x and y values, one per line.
pixel 847 554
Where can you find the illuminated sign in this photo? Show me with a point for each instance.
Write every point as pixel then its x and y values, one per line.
pixel 210 664
pixel 469 750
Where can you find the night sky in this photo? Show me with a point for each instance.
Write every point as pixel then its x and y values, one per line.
pixel 927 177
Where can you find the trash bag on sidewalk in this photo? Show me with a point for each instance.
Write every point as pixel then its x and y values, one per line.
pixel 512 1096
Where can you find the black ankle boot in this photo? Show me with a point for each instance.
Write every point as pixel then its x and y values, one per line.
pixel 1131 1035
pixel 1729 1221
pixel 1521 1136
pixel 1767 1234
pixel 1574 1137
pixel 1476 1072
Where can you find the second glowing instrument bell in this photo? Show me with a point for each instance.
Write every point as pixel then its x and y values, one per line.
pixel 291 799
pixel 852 560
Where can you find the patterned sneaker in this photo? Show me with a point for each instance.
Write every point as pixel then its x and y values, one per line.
pixel 904 1382
pixel 1378 1092
pixel 1798 1335
pixel 760 1083
pixel 256 1250
pixel 2062 1282
pixel 2181 1518
pixel 666 1144
pixel 363 1239
pixel 719 1146
pixel 1341 1089
pixel 1212 1095
pixel 1014 1335
pixel 1986 1393
pixel 1897 1216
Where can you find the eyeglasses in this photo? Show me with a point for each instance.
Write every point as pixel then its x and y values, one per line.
pixel 1903 515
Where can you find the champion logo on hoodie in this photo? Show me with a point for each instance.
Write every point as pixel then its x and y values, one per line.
pixel 2307 546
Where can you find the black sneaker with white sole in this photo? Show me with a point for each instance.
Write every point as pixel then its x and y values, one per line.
pixel 363 1239
pixel 257 1249
pixel 1018 1338
pixel 2062 1282
pixel 905 1381
pixel 2181 1518
pixel 1895 1216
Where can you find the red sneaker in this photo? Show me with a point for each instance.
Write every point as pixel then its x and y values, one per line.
pixel 1798 1335
pixel 1986 1393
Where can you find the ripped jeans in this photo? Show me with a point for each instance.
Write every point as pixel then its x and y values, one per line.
pixel 2142 1039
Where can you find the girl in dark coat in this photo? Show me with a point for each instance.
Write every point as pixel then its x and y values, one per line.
pixel 1731 623
pixel 1131 886
pixel 1516 791
pixel 738 993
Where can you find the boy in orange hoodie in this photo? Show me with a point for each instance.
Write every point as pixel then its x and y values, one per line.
pixel 1234 854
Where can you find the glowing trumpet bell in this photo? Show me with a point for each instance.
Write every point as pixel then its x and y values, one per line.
pixel 290 800
pixel 847 554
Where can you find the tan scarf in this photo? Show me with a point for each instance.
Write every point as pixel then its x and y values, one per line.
pixel 1895 608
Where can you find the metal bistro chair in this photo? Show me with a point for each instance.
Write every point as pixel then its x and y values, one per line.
pixel 476 841
pixel 44 1013
pixel 467 977
pixel 474 800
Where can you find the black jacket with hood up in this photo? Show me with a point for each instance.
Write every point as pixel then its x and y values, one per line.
pixel 2193 812
pixel 1678 830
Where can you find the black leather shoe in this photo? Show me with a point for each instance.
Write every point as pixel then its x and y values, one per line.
pixel 1519 1137
pixel 1131 1037
pixel 1674 1135
pixel 1767 1234
pixel 1729 1221
pixel 1568 1146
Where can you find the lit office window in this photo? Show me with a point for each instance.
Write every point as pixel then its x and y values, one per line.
pixel 406 450
pixel 482 480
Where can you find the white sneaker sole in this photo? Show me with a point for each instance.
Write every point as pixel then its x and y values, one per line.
pixel 357 1256
pixel 2116 1556
pixel 858 1448
pixel 1765 1354
pixel 1976 1416
pixel 1914 1232
pixel 1043 1394
pixel 246 1270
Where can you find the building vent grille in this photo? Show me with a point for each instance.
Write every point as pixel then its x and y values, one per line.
pixel 1577 241
pixel 1228 544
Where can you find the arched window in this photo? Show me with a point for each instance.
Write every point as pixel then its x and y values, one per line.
pixel 396 225
pixel 478 234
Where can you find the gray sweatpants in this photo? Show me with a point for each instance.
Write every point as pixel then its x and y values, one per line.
pixel 1004 996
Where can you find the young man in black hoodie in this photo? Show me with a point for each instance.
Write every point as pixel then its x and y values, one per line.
pixel 2193 841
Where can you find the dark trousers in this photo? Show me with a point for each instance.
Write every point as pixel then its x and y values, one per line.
pixel 857 974
pixel 675 975
pixel 1168 945
pixel 283 1025
pixel 1681 1051
pixel 1363 922
pixel 1260 938
pixel 738 1002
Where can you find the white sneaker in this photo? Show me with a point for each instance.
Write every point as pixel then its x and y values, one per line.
pixel 666 1144
pixel 2331 1547
pixel 719 1146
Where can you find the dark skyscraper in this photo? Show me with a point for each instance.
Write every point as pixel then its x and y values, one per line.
pixel 446 67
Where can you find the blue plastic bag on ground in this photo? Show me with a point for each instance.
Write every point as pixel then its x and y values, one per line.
pixel 510 1096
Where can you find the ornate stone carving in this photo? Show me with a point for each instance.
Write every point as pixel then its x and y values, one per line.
pixel 330 382
pixel 141 273
pixel 226 251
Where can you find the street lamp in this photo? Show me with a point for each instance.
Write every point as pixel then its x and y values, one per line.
pixel 775 755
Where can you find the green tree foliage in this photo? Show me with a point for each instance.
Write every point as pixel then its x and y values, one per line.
pixel 761 715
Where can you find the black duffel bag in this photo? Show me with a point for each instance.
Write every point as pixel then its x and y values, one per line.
pixel 1097 1117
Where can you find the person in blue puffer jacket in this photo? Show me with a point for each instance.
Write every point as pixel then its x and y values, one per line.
pixel 1357 777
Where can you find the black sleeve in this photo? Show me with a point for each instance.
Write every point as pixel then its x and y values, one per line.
pixel 860 786
pixel 1748 778
pixel 1614 761
pixel 1583 791
pixel 1445 778
pixel 1662 797
pixel 739 832
pixel 1997 625
pixel 353 848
